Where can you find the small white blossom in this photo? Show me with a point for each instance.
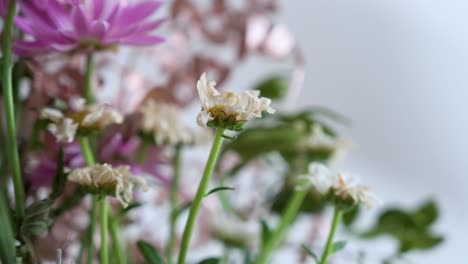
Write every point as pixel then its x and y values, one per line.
pixel 51 114
pixel 227 106
pixel 64 130
pixel 100 116
pixel 163 122
pixel 340 185
pixel 103 178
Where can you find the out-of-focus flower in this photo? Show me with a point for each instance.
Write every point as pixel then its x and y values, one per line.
pixel 233 231
pixel 163 122
pixel 103 178
pixel 82 117
pixel 3 7
pixel 72 25
pixel 63 128
pixel 226 109
pixel 337 185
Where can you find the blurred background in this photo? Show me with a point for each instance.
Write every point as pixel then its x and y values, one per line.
pixel 398 69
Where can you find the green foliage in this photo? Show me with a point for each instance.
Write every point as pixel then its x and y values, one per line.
pixel 412 229
pixel 60 177
pixel 311 204
pixel 150 253
pixel 37 219
pixel 7 241
pixel 350 216
pixel 274 88
pixel 210 261
pixel 266 233
pixel 218 189
pixel 311 253
pixel 337 246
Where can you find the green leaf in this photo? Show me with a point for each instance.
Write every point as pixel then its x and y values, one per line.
pixel 218 189
pixel 311 253
pixel 427 214
pixel 60 177
pixel 350 216
pixel 130 207
pixel 150 253
pixel 7 241
pixel 337 246
pixel 37 219
pixel 210 261
pixel 274 88
pixel 266 232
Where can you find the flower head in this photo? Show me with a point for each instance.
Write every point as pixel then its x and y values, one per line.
pixel 70 25
pixel 338 186
pixel 226 109
pixel 83 118
pixel 163 122
pixel 105 179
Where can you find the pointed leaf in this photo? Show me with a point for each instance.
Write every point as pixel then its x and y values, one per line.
pixel 310 253
pixel 210 261
pixel 217 189
pixel 266 232
pixel 337 246
pixel 60 177
pixel 150 253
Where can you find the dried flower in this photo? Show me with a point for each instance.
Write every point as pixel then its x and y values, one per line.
pixel 226 109
pixel 163 122
pixel 104 179
pixel 84 118
pixel 71 25
pixel 338 185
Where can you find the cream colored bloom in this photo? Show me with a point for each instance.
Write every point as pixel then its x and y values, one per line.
pixel 163 122
pixel 82 117
pixel 103 178
pixel 339 185
pixel 63 128
pixel 227 109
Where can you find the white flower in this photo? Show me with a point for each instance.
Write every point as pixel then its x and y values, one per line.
pixel 103 178
pixel 64 129
pixel 100 116
pixel 234 231
pixel 228 107
pixel 340 185
pixel 163 121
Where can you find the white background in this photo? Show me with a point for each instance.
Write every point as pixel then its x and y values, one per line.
pixel 399 69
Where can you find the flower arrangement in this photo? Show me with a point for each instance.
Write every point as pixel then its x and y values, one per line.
pixel 126 168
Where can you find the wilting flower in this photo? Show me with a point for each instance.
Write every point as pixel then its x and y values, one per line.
pixel 105 179
pixel 82 118
pixel 337 185
pixel 163 122
pixel 226 109
pixel 63 128
pixel 70 25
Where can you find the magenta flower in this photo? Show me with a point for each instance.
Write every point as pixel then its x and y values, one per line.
pixel 77 25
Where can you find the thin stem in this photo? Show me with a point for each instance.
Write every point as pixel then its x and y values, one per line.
pixel 171 244
pixel 7 78
pixel 337 215
pixel 215 149
pixel 89 159
pixel 89 79
pixel 288 216
pixel 104 208
pixel 116 245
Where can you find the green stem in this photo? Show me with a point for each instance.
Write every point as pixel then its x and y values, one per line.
pixel 288 216
pixel 7 78
pixel 89 79
pixel 89 159
pixel 215 149
pixel 104 208
pixel 174 193
pixel 327 252
pixel 116 245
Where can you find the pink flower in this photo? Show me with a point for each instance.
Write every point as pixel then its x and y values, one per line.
pixel 3 7
pixel 76 25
